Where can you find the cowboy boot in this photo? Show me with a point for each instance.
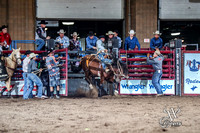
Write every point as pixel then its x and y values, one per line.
pixel 9 94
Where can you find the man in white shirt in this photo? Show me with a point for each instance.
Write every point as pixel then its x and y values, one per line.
pixel 25 70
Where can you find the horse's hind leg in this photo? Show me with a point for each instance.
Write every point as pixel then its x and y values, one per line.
pixel 8 87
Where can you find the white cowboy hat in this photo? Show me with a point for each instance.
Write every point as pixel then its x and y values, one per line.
pixel 74 34
pixel 32 55
pixel 157 33
pixel 110 33
pixel 132 32
pixel 61 31
pixel 157 52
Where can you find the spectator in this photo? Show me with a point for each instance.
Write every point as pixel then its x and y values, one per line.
pixel 112 44
pixel 62 41
pixel 131 41
pixel 54 74
pixel 41 35
pixel 5 39
pixel 75 44
pixel 91 42
pixel 156 42
pixel 116 33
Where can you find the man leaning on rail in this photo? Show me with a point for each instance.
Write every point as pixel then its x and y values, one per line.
pixel 156 62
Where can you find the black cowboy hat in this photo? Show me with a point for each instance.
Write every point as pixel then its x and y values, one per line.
pixel 91 33
pixel 102 36
pixel 28 52
pixel 3 27
pixel 116 31
pixel 43 22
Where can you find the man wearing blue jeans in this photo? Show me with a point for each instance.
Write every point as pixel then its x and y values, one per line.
pixel 156 62
pixel 25 71
pixel 41 35
pixel 33 78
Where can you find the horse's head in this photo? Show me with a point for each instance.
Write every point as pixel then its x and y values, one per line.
pixel 120 70
pixel 17 55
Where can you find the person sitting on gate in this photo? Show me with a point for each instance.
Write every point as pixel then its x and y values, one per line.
pixel 44 76
pixel 91 41
pixel 5 39
pixel 33 78
pixel 25 72
pixel 156 42
pixel 131 41
pixel 62 41
pixel 41 35
pixel 116 33
pixel 101 43
pixel 156 62
pixel 54 74
pixel 74 42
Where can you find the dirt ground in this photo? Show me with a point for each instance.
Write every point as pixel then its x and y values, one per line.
pixel 122 114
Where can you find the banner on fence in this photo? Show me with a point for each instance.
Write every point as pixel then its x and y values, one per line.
pixel 191 73
pixel 18 87
pixel 132 87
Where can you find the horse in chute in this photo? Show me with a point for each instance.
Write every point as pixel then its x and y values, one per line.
pixel 11 62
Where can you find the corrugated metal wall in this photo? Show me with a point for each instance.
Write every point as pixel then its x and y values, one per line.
pixel 143 19
pixel 19 15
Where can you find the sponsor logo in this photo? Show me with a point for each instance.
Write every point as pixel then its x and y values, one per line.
pixel 193 65
pixel 169 120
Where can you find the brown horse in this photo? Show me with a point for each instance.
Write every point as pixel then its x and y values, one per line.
pixel 11 63
pixel 93 68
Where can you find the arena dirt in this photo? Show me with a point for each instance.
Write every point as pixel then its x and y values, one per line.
pixel 122 114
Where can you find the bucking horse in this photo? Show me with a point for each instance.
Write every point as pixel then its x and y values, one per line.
pixel 92 68
pixel 11 62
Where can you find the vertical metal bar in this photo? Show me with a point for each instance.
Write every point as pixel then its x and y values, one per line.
pixel 66 78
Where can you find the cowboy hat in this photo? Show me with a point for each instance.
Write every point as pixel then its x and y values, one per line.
pixel 3 27
pixel 27 52
pixel 102 36
pixel 32 55
pixel 61 31
pixel 91 33
pixel 74 34
pixel 110 33
pixel 43 22
pixel 132 32
pixel 157 33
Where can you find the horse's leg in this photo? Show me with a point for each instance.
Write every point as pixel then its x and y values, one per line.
pixel 8 87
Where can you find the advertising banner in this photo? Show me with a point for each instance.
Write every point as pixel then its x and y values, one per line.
pixel 134 87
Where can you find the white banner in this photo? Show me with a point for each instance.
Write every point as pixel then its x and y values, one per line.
pixel 131 87
pixel 191 73
pixel 18 87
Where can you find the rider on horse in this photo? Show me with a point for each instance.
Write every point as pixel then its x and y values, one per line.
pixel 102 53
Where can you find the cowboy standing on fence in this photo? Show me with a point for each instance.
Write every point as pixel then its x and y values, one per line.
pixel 41 35
pixel 156 42
pixel 156 62
pixel 91 42
pixel 131 42
pixel 62 41
pixel 54 74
